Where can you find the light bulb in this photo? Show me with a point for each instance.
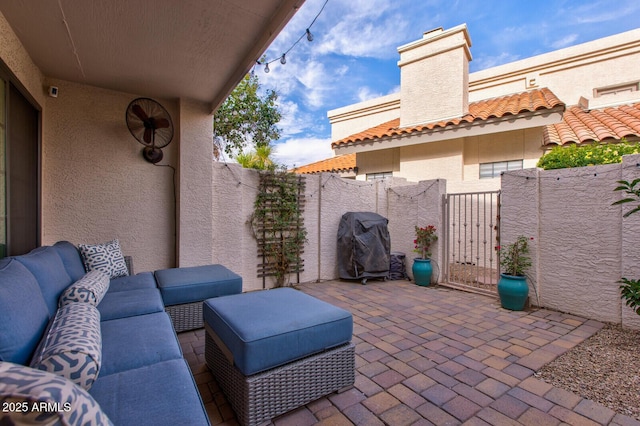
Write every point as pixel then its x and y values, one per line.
pixel 309 35
pixel 283 59
pixel 266 67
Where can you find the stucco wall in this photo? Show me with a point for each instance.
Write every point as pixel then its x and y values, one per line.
pixel 327 198
pixel 195 198
pixel 95 184
pixel 582 245
pixel 17 59
pixel 570 73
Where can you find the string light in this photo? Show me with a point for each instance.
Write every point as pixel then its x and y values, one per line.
pixel 307 34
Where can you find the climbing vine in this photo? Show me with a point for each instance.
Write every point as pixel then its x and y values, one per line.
pixel 278 225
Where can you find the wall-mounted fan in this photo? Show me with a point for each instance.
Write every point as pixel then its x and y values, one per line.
pixel 151 125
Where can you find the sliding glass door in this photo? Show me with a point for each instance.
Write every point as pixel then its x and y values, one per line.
pixel 3 169
pixel 19 169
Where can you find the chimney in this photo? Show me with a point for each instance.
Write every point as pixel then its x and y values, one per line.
pixel 434 76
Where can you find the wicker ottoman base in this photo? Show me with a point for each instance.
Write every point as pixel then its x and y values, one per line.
pixel 187 316
pixel 263 396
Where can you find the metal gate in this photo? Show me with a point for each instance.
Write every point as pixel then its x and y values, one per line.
pixel 472 225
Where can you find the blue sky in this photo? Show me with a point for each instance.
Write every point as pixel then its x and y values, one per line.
pixel 354 56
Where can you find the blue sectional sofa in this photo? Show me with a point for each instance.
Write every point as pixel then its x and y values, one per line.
pixel 124 359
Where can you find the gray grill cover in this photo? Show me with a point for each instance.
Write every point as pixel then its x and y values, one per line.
pixel 363 246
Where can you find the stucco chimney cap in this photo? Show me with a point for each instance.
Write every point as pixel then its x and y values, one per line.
pixel 433 32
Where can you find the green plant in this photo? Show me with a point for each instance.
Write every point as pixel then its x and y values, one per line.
pixel 425 237
pixel 514 257
pixel 278 226
pixel 629 188
pixel 630 291
pixel 561 157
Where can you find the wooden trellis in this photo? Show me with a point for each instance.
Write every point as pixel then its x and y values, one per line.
pixel 279 226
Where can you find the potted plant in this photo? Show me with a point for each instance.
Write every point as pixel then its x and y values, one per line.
pixel 422 268
pixel 514 261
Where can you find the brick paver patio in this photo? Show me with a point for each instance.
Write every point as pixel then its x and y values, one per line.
pixel 435 356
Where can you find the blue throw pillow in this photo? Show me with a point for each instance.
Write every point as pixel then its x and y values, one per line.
pixel 23 313
pixel 105 257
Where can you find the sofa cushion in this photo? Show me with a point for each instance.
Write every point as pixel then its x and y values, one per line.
pixel 71 258
pixel 157 394
pixel 91 288
pixel 106 257
pixel 269 328
pixel 72 346
pixel 129 343
pixel 23 312
pixel 56 399
pixel 122 304
pixel 132 282
pixel 46 265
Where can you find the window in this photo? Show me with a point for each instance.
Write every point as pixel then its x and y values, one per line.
pixel 491 170
pixel 379 176
pixel 614 90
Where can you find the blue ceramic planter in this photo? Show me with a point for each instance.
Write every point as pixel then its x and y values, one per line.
pixel 513 291
pixel 422 271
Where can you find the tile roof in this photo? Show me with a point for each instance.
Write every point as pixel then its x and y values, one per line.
pixel 514 104
pixel 340 163
pixel 580 125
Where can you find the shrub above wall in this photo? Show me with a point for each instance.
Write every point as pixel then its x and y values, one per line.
pixel 561 157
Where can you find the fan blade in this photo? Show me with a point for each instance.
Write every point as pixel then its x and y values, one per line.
pixel 137 110
pixel 161 123
pixel 148 133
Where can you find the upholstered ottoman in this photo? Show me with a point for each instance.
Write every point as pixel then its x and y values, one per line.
pixel 184 289
pixel 272 351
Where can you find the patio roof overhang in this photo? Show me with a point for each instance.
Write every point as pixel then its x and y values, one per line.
pixel 195 50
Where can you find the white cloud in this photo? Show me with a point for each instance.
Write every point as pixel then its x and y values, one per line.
pixel 493 61
pixel 565 41
pixel 366 93
pixel 300 151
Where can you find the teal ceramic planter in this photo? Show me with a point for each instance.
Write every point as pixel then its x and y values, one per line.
pixel 422 271
pixel 513 291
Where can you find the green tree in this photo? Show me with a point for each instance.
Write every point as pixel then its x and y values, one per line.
pixel 259 159
pixel 247 118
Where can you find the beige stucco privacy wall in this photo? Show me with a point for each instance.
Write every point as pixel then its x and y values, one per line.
pixel 327 198
pixel 582 246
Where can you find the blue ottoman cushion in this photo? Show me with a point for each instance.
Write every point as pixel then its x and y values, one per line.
pixel 196 283
pixel 266 329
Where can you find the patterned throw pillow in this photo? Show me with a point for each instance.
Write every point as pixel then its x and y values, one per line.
pixel 91 288
pixel 72 346
pixel 105 257
pixel 34 397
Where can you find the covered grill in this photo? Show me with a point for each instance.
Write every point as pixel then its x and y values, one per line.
pixel 363 246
